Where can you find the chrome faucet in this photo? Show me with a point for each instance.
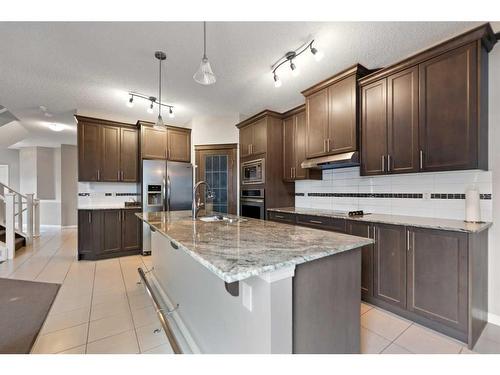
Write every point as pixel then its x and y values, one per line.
pixel 197 205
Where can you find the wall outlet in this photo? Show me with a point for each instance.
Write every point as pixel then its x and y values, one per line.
pixel 426 195
pixel 246 293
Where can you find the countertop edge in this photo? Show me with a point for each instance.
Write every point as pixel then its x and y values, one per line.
pixel 373 219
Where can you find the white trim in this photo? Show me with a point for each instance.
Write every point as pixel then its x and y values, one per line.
pixel 68 226
pixel 282 273
pixel 494 319
pixel 188 339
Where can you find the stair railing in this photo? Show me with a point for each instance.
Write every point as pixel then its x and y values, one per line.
pixel 12 207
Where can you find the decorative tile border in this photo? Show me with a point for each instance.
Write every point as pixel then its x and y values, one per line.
pixel 110 194
pixel 392 195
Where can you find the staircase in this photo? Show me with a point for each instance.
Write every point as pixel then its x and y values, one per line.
pixel 19 221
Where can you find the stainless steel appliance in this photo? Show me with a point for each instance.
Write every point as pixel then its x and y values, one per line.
pixel 166 186
pixel 252 203
pixel 253 172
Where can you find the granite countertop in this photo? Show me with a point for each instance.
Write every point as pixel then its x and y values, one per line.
pixel 236 251
pixel 107 207
pixel 411 221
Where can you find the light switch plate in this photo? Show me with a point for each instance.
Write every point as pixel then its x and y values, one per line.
pixel 246 292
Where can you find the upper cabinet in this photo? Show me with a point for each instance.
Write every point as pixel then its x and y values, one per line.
pixel 107 151
pixel 294 146
pixel 429 112
pixel 253 138
pixel 331 114
pixel 173 143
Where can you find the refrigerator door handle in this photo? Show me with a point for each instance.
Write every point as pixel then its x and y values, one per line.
pixel 168 193
pixel 164 195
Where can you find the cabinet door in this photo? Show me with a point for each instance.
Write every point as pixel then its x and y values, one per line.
pixel 363 230
pixel 89 233
pixel 448 110
pixel 112 231
pixel 179 145
pixel 374 128
pixel 259 143
pixel 129 155
pixel 288 147
pixel 390 264
pixel 88 151
pixel 437 276
pixel 316 123
pixel 402 122
pixel 110 154
pixel 153 143
pixel 131 230
pixel 342 116
pixel 300 146
pixel 246 138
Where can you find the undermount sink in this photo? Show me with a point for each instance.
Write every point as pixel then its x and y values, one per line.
pixel 220 218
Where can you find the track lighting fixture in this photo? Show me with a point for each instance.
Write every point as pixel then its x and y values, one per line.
pixel 130 102
pixel 152 101
pixel 291 56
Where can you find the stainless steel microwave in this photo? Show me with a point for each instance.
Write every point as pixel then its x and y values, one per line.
pixel 253 172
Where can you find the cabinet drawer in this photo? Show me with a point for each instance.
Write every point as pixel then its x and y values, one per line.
pixel 333 224
pixel 282 217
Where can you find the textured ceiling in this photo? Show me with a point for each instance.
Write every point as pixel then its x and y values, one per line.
pixel 89 67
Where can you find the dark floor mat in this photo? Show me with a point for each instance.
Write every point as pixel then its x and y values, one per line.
pixel 24 305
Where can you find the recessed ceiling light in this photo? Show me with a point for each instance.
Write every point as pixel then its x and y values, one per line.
pixel 57 127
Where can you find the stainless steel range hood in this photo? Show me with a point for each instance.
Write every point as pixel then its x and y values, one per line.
pixel 347 159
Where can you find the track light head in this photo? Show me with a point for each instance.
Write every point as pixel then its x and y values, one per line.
pixel 130 102
pixel 318 55
pixel 277 81
pixel 150 107
pixel 171 113
pixel 295 70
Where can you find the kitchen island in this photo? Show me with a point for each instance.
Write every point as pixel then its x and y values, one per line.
pixel 254 286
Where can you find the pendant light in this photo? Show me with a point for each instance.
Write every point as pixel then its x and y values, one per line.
pixel 160 55
pixel 204 75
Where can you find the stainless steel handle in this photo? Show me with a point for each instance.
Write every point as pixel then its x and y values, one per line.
pixel 119 216
pixel 407 240
pixel 98 174
pixel 315 221
pixel 294 172
pixel 421 159
pixel 168 193
pixel 119 175
pixel 383 163
pixel 324 145
pixel 388 163
pixel 328 145
pixel 123 175
pixel 279 216
pixel 90 217
pixel 164 191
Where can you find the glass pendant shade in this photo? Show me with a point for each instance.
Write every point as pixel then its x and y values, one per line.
pixel 204 75
pixel 159 125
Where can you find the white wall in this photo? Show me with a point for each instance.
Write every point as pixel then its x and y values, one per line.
pixel 11 158
pixel 69 185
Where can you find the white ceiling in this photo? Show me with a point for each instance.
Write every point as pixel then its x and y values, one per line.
pixel 90 67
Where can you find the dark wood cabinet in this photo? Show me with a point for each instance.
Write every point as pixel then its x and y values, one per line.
pixel 89 151
pixel 361 229
pixel 253 138
pixel 129 155
pixel 112 224
pixel 107 151
pixel 374 128
pixel 332 114
pixel 437 276
pixel 89 232
pixel 449 110
pixel 108 233
pixel 172 143
pixel 429 112
pixel 178 144
pixel 294 147
pixel 153 143
pixel 131 230
pixel 389 266
pixel 110 169
pixel 402 122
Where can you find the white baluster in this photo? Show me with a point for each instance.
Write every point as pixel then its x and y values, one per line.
pixel 29 218
pixel 10 232
pixel 37 218
pixel 19 202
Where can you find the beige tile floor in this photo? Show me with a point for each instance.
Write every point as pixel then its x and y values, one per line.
pixel 100 308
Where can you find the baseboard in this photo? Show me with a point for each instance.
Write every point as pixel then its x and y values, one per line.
pixel 494 319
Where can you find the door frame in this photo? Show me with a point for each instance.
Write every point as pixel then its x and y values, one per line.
pixel 230 149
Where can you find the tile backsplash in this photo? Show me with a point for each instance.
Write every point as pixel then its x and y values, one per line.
pixel 439 194
pixel 100 193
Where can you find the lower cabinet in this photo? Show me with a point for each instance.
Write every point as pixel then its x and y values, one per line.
pixel 389 264
pixel 108 233
pixel 437 276
pixel 360 229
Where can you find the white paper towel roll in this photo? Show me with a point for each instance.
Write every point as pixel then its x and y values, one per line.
pixel 472 206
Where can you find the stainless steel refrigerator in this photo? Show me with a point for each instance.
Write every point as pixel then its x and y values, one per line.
pixel 166 186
